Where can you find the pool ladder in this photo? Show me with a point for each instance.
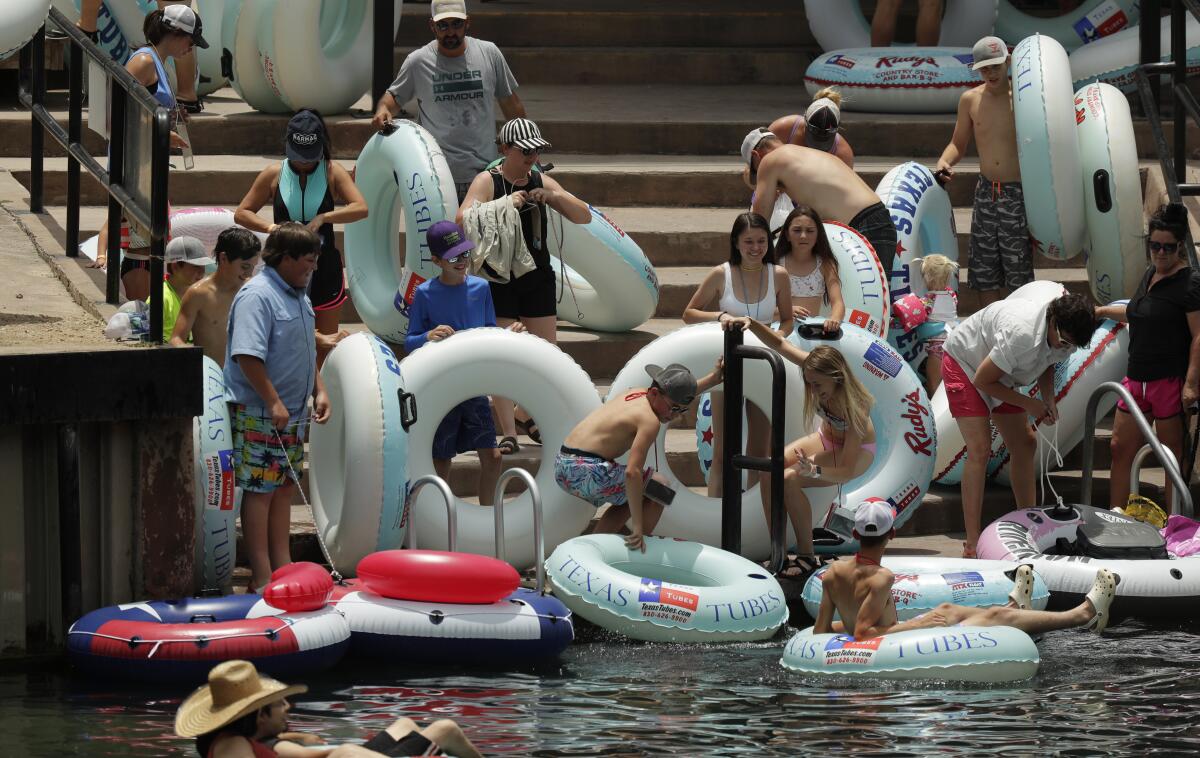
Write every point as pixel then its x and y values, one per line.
pixel 410 539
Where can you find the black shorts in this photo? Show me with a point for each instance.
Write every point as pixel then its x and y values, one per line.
pixel 531 296
pixel 875 223
pixel 327 288
pixel 413 743
pixel 133 264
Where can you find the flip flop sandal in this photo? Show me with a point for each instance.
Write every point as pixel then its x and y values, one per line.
pixel 1022 591
pixel 508 445
pixel 803 567
pixel 191 106
pixel 1101 595
pixel 530 429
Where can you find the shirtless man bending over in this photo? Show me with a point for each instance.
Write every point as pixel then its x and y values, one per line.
pixel 204 311
pixel 821 181
pixel 1001 255
pixel 860 590
pixel 586 465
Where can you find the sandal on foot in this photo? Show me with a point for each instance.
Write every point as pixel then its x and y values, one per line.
pixel 799 568
pixel 508 445
pixel 968 551
pixel 1022 591
pixel 191 106
pixel 530 429
pixel 1101 595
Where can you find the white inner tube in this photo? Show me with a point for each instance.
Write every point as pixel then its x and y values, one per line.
pixel 216 500
pixel 538 376
pixel 240 38
pixel 19 21
pixel 841 23
pixel 404 172
pixel 1047 148
pixel 864 282
pixel 610 284
pixel 358 458
pixel 676 591
pixel 895 80
pixel 208 59
pixel 1114 59
pixel 1089 22
pixel 693 516
pixel 318 52
pixel 1112 187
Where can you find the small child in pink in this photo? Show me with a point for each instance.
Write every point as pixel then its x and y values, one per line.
pixel 941 305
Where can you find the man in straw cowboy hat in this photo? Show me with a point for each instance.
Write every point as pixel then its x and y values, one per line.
pixel 240 714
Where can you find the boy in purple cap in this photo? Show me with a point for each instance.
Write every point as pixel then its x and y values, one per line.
pixel 452 302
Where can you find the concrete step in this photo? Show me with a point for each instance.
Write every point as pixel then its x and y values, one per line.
pixel 581 66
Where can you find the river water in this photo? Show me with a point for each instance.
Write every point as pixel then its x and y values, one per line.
pixel 1136 690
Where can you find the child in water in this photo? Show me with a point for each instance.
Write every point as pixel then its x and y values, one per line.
pixel 941 305
pixel 841 448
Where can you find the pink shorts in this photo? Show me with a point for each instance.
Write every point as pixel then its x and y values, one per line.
pixel 1161 398
pixel 965 400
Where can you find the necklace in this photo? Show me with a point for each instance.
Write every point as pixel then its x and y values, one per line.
pixel 863 560
pixel 746 293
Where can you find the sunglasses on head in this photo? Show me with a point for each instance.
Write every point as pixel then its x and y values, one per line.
pixel 1166 247
pixel 445 26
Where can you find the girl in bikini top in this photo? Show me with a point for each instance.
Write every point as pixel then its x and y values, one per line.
pixel 803 250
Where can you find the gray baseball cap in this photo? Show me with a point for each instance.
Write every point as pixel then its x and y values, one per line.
pixel 988 52
pixel 676 382
pixel 187 250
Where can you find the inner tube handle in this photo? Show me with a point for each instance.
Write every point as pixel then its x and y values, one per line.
pixel 816 331
pixel 408 408
pixel 1103 191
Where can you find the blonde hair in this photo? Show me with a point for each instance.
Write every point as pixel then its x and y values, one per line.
pixel 830 93
pixel 829 362
pixel 936 270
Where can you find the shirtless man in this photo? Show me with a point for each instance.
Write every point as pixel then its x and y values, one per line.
pixel 1001 256
pixel 860 590
pixel 204 312
pixel 586 465
pixel 821 181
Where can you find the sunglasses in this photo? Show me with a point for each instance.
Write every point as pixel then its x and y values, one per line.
pixel 445 26
pixel 1167 247
pixel 528 151
pixel 1063 340
pixel 457 259
pixel 677 408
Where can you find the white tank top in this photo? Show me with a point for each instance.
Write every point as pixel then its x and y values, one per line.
pixel 760 311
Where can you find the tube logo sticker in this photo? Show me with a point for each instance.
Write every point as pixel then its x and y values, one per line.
pixel 659 601
pixel 964 585
pixel 837 59
pixel 1101 22
pixel 219 468
pixel 882 361
pixel 918 439
pixel 847 651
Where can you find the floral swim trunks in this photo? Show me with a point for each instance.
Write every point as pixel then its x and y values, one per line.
pixel 590 477
pixel 261 461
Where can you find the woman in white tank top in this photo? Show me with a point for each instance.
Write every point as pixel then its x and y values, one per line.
pixel 804 252
pixel 749 284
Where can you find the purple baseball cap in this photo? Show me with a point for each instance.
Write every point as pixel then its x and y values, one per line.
pixel 446 239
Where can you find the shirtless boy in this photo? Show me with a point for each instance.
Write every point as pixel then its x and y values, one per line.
pixel 1001 256
pixel 821 181
pixel 204 312
pixel 586 465
pixel 860 590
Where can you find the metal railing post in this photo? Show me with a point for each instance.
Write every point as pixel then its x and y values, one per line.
pixel 116 177
pixel 37 138
pixel 1139 459
pixel 74 134
pixel 159 166
pixel 731 476
pixel 498 506
pixel 1178 114
pixel 1149 45
pixel 383 50
pixel 410 537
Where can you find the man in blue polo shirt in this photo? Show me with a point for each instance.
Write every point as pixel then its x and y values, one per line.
pixel 270 374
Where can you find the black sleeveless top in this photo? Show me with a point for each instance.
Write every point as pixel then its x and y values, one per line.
pixel 326 230
pixel 535 240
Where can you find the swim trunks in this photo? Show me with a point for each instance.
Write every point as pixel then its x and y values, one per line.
pixel 413 743
pixel 590 477
pixel 468 426
pixel 1160 398
pixel 875 223
pixel 965 400
pixel 1001 254
pixel 261 457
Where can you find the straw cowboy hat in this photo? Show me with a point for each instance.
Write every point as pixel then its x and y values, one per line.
pixel 234 689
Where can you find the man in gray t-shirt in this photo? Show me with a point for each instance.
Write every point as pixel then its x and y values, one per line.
pixel 456 81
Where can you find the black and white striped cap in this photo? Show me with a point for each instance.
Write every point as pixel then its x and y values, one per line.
pixel 523 133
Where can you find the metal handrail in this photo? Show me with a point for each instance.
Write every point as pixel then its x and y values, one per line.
pixel 32 94
pixel 1135 469
pixel 498 506
pixel 410 537
pixel 1089 452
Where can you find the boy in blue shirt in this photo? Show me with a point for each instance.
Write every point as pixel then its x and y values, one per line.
pixel 452 302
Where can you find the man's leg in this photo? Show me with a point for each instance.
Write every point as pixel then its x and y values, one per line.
pixel 883 23
pixel 255 519
pixel 489 473
pixel 613 520
pixel 89 10
pixel 977 435
pixel 984 274
pixel 441 467
pixel 450 737
pixel 279 525
pixel 929 22
pixel 1021 442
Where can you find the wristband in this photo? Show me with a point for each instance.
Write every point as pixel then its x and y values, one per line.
pixel 719 315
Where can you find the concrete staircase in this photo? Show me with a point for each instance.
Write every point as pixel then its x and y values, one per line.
pixel 645 103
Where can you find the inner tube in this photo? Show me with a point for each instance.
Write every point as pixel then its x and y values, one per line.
pixel 1112 188
pixel 180 641
pixel 895 80
pixel 539 377
pixel 1068 547
pixel 1114 59
pixel 1089 22
pixel 865 291
pixel 609 283
pixel 923 584
pixel 118 24
pixel 841 23
pixel 216 501
pixel 317 53
pixel 675 591
pixel 245 26
pixel 924 223
pixel 434 576
pixel 959 653
pixel 19 21
pixel 1047 148
pixel 366 437
pixel 524 627
pixel 405 169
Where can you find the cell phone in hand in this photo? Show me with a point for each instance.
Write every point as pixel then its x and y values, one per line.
pixel 659 492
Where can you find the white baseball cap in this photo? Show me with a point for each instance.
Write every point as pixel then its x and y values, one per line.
pixel 873 517
pixel 440 9
pixel 988 52
pixel 751 140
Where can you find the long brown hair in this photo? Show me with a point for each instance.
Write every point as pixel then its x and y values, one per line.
pixel 821 250
pixel 829 362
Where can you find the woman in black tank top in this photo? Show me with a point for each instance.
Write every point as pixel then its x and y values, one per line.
pixel 530 299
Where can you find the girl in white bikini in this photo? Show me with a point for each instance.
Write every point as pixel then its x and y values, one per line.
pixel 803 251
